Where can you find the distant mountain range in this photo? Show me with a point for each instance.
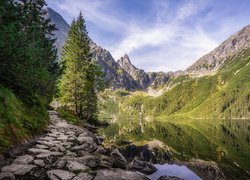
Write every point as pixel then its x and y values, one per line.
pixel 122 74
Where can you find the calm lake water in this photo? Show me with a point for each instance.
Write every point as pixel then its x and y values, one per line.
pixel 226 142
pixel 173 170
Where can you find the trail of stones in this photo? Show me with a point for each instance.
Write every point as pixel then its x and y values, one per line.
pixel 68 152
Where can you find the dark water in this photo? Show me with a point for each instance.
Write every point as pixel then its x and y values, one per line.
pixel 173 170
pixel 226 142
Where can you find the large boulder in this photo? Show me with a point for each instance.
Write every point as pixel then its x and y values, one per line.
pixel 119 174
pixel 143 167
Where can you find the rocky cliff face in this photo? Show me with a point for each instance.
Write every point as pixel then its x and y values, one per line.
pixel 212 61
pixel 138 75
pixel 115 76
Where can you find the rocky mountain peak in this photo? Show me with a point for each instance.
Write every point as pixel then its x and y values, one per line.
pixel 212 61
pixel 125 63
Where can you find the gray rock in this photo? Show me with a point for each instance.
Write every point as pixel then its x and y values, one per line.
pixel 47 155
pixel 143 167
pixel 18 169
pixel 61 148
pixel 38 151
pixel 39 162
pixel 84 176
pixel 84 139
pixel 7 176
pixel 62 138
pixel 169 178
pixel 101 150
pixel 118 160
pixel 69 153
pixel 76 167
pixel 60 175
pixel 49 144
pixel 86 147
pixel 118 174
pixel 212 61
pixel 90 161
pixel 47 138
pixel 83 153
pixel 26 159
pixel 40 146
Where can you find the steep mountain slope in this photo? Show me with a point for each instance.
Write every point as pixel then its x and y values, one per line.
pixel 115 76
pixel 138 74
pixel 212 61
pixel 223 95
pixel 62 26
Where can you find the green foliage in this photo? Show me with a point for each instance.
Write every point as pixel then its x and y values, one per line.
pixel 28 65
pixel 223 95
pixel 81 77
pixel 18 121
pixel 68 116
pixel 28 69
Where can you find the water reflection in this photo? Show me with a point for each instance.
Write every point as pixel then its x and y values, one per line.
pixel 173 170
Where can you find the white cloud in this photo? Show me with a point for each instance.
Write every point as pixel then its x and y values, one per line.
pixel 94 11
pixel 177 35
pixel 177 46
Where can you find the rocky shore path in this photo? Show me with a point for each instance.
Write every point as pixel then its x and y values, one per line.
pixel 69 152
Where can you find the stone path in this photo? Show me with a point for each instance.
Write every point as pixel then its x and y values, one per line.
pixel 69 152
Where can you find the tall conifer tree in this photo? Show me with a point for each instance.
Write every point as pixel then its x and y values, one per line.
pixel 77 87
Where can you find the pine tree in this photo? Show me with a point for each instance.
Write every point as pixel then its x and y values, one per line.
pixel 28 65
pixel 79 83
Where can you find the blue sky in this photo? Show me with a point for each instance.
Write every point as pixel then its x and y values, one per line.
pixel 158 35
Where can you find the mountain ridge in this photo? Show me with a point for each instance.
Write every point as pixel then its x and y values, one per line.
pixel 122 74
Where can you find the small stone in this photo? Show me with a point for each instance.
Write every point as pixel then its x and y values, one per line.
pixel 69 153
pixel 84 176
pixel 38 151
pixel 7 176
pixel 47 138
pixel 49 144
pixel 62 138
pixel 85 147
pixel 143 167
pixel 169 178
pixel 100 150
pixel 71 139
pixel 118 160
pixel 26 159
pixel 82 140
pixel 119 174
pixel 59 174
pixel 76 167
pixel 39 162
pixel 61 148
pixel 39 146
pixel 18 169
pixel 47 155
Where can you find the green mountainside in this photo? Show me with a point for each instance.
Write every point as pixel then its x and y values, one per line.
pixel 223 95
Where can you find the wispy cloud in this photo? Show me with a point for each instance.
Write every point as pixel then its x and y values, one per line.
pixel 159 35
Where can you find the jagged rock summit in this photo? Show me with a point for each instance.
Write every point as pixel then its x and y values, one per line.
pixel 212 61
